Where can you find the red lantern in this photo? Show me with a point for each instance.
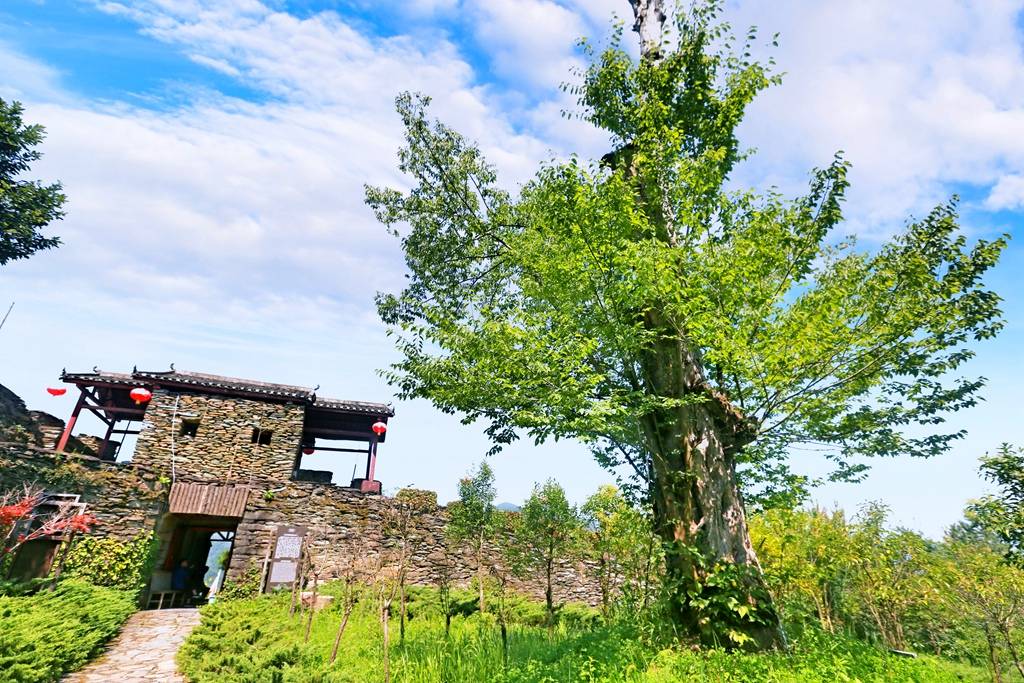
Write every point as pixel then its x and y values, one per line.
pixel 308 450
pixel 379 428
pixel 56 392
pixel 140 395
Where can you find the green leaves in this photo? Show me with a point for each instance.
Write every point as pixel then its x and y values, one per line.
pixel 472 517
pixel 25 206
pixel 537 312
pixel 1003 513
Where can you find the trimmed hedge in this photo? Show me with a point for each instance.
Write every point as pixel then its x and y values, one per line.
pixel 46 635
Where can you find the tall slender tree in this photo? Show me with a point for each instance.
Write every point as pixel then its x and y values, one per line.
pixel 472 519
pixel 683 328
pixel 26 206
pixel 547 531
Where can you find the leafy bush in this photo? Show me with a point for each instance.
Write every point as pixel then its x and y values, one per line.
pixel 47 634
pixel 419 499
pixel 109 562
pixel 255 641
pixel 247 586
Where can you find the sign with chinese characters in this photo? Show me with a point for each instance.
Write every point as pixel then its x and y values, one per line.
pixel 287 554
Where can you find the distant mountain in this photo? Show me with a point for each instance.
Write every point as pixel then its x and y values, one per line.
pixel 508 507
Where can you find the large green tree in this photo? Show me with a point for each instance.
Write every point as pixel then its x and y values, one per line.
pixel 26 206
pixel 682 327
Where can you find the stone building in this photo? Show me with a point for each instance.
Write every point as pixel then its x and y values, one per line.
pixel 218 468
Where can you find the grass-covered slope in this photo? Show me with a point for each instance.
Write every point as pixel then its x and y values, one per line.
pixel 45 635
pixel 255 640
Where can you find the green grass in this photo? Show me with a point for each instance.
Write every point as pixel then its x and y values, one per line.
pixel 254 640
pixel 45 635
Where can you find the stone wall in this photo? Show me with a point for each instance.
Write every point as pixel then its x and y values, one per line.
pixel 126 501
pixel 130 498
pixel 222 448
pixel 343 523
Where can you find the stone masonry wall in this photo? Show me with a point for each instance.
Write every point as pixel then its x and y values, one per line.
pixel 129 499
pixel 126 501
pixel 343 522
pixel 222 448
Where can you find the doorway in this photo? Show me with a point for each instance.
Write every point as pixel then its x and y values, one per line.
pixel 194 556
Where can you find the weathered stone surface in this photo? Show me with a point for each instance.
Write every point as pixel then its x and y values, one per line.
pixel 343 523
pixel 321 601
pixel 125 500
pixel 222 447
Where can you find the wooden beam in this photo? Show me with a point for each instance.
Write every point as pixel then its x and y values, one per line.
pixel 116 410
pixel 340 450
pixel 66 434
pixel 340 434
pixel 371 460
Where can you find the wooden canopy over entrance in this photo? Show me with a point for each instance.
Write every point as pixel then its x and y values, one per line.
pixel 215 500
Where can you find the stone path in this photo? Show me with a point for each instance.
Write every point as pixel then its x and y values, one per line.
pixel 144 650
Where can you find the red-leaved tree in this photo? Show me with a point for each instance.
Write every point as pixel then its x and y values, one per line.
pixel 27 515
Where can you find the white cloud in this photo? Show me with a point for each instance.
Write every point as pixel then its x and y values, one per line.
pixel 1008 193
pixel 529 41
pixel 24 78
pixel 917 101
pixel 231 236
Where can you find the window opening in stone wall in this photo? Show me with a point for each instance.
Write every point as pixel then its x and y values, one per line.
pixel 261 436
pixel 189 427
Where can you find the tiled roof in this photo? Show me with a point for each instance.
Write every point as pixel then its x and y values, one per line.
pixel 198 379
pixel 354 406
pixel 99 376
pixel 233 384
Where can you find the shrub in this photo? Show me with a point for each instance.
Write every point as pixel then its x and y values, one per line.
pixel 254 640
pixel 418 499
pixel 116 564
pixel 246 586
pixel 50 633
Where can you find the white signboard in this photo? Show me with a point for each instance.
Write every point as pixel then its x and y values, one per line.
pixel 287 555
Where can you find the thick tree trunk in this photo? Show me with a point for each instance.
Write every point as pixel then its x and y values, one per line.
pixel 698 511
pixel 649 16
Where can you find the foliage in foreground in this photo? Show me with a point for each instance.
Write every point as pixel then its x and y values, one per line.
pixel 125 565
pixel 45 635
pixel 253 640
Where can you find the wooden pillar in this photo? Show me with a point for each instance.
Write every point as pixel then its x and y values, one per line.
pixel 371 459
pixel 71 422
pixel 106 440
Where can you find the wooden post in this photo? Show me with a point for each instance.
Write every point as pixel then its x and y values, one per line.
pixel 371 459
pixel 106 440
pixel 71 423
pixel 265 574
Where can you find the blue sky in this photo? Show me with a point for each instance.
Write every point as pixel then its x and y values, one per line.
pixel 214 155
